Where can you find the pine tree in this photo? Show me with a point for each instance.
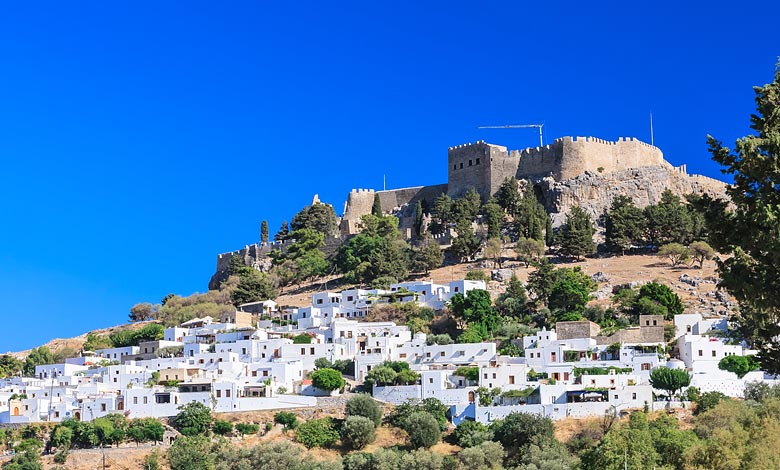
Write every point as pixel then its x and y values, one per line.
pixel 264 231
pixel 283 233
pixel 751 231
pixel 625 224
pixel 576 236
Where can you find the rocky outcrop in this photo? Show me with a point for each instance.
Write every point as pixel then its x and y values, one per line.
pixel 595 191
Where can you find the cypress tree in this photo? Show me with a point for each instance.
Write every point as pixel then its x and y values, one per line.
pixel 376 209
pixel 264 231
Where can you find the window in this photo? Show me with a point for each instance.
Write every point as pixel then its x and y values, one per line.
pixel 655 322
pixel 455 166
pixel 227 393
pixel 456 289
pixel 303 351
pixel 349 298
pixel 254 373
pixel 511 380
pixel 485 374
pixel 633 396
pixel 311 350
pixel 461 166
pixel 402 356
pixel 145 400
pixel 441 354
pixel 219 393
pixel 477 161
pixel 135 400
pixel 319 301
pixel 714 354
pixel 701 353
pixel 616 397
pixel 430 381
pixel 469 162
pixel 265 373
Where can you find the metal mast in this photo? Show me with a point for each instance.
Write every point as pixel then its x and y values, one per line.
pixel 519 126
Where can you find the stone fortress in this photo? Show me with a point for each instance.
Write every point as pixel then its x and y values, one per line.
pixel 584 171
pixel 572 171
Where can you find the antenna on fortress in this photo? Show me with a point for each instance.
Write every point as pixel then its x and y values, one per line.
pixel 652 137
pixel 519 126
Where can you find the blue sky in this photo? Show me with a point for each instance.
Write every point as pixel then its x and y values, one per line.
pixel 140 139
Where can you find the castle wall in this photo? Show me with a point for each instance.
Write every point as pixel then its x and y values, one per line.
pixel 361 201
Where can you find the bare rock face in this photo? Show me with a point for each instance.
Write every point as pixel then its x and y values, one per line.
pixel 594 192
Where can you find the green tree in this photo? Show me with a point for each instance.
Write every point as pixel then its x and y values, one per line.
pixel 529 250
pixel 485 456
pixel 669 221
pixel 662 295
pixel 61 437
pixel 10 366
pixel 191 453
pixel 376 209
pixel 418 218
pixel 426 255
pixel 471 433
pixel 380 375
pixel 669 380
pixel 376 251
pixel 286 419
pixel 708 400
pixel 518 430
pixel 624 223
pixel 357 432
pixel 571 291
pixel 508 196
pixel 739 365
pixel 575 238
pixel 466 245
pixel 193 419
pixel 550 457
pixel 318 217
pixel 675 252
pixel 492 215
pixel 493 251
pixel 624 446
pixel 283 233
pixel 422 428
pixel 37 357
pixel 513 302
pixel 542 280
pixel 327 379
pixel 365 406
pixel 222 427
pixel 475 308
pixel 264 231
pixel 143 311
pixel 701 251
pixel 530 216
pixel 317 433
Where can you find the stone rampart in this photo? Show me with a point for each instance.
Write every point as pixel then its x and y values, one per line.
pixel 401 202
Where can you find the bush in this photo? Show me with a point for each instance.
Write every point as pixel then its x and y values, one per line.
pixel 191 453
pixel 286 419
pixel 317 433
pixel 268 426
pixel 327 379
pixel 358 432
pixel 477 275
pixel 471 433
pixel 423 429
pixel 469 373
pixel 365 406
pixel 708 401
pixel 442 339
pixel 484 456
pixel 302 338
pixel 248 428
pixel 61 456
pixel 519 429
pixel 222 427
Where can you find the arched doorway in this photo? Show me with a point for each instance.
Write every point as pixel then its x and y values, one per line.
pixel 16 411
pixel 471 397
pixel 77 416
pixel 120 406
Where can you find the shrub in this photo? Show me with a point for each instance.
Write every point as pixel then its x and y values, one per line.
pixel 302 338
pixel 286 419
pixel 519 429
pixel 471 433
pixel 358 432
pixel 469 373
pixel 477 275
pixel 708 401
pixel 327 379
pixel 61 456
pixel 249 428
pixel 317 433
pixel 268 426
pixel 442 339
pixel 483 456
pixel 365 406
pixel 423 429
pixel 222 427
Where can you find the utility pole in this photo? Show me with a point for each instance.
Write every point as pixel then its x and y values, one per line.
pixel 519 126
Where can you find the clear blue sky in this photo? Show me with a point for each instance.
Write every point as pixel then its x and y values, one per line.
pixel 140 139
